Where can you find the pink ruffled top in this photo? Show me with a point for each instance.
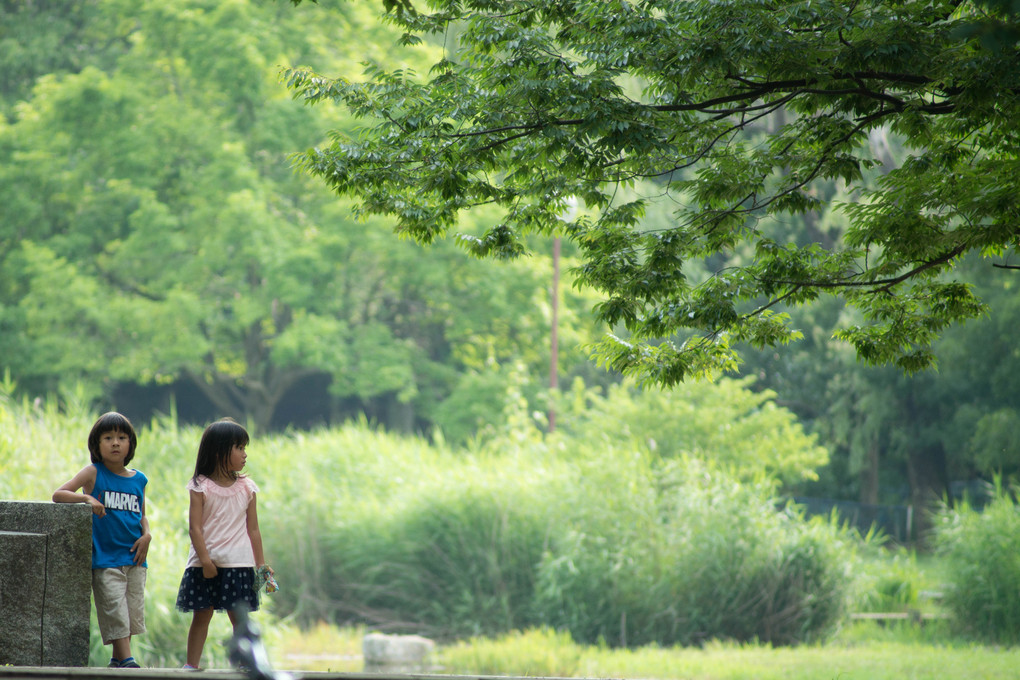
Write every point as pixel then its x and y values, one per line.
pixel 224 521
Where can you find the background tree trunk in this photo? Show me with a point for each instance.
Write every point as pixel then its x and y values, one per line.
pixel 929 484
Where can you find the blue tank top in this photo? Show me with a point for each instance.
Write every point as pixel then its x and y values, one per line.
pixel 114 534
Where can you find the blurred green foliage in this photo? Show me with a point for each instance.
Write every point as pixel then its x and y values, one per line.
pixel 982 561
pixel 155 236
pixel 606 539
pixel 614 544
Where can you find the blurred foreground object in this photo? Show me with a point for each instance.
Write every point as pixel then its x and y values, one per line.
pixel 246 651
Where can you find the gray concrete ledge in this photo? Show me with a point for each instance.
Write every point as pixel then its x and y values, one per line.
pixel 45 583
pixel 77 673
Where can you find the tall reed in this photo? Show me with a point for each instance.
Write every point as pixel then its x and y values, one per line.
pixel 607 541
pixel 982 554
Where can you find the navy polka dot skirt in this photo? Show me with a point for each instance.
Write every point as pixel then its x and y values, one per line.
pixel 221 592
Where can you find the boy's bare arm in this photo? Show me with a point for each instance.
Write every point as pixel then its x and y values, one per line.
pixel 141 546
pixel 85 480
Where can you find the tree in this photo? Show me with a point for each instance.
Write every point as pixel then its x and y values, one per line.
pixel 153 231
pixel 981 362
pixel 734 111
pixel 51 36
pixel 725 424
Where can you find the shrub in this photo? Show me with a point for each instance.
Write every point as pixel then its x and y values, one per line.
pixel 455 565
pixel 448 547
pixel 711 559
pixel 982 552
pixel 890 581
pixel 604 541
pixel 612 544
pixel 725 422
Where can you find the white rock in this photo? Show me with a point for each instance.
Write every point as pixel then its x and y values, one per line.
pixel 395 650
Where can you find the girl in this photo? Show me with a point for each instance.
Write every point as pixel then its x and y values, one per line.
pixel 223 523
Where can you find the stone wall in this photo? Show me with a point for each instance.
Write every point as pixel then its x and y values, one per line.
pixel 45 583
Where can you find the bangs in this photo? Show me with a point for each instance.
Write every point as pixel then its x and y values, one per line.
pixel 113 422
pixel 241 438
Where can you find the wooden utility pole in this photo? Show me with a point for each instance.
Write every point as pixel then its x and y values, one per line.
pixel 554 349
pixel 554 339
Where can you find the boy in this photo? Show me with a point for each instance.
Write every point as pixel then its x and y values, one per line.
pixel 120 532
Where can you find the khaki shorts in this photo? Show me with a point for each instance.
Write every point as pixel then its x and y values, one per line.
pixel 120 601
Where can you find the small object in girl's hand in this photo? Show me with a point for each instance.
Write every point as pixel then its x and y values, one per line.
pixel 264 577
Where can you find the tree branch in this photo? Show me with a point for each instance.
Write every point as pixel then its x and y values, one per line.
pixel 878 284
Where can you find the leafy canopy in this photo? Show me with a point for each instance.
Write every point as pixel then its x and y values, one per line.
pixel 740 113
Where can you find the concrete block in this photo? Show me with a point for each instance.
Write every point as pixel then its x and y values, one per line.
pixel 45 583
pixel 395 653
pixel 22 595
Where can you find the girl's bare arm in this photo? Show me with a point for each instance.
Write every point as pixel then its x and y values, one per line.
pixel 252 520
pixel 197 536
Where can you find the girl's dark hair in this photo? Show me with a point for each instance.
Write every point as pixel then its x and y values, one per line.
pixel 214 448
pixel 112 422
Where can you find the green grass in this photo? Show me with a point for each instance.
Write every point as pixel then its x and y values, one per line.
pixel 874 661
pixel 865 651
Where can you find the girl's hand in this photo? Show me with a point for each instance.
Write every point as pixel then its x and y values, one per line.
pixel 209 570
pixel 141 548
pixel 264 579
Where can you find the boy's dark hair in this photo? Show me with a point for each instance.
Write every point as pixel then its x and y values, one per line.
pixel 217 441
pixel 112 422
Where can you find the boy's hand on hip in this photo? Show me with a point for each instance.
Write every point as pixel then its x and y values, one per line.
pixel 141 548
